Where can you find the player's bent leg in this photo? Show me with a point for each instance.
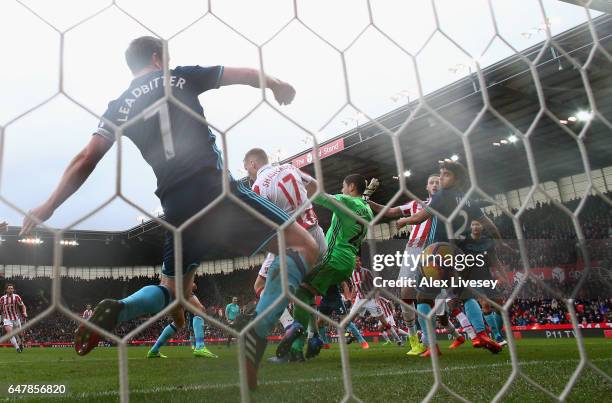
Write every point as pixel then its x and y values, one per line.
pixel 273 291
pixel 493 319
pixel 295 335
pixel 169 281
pixel 354 330
pixel 200 348
pixel 256 338
pixel 486 312
pixel 259 285
pixel 197 324
pixel 15 344
pixel 445 323
pixel 148 300
pixel 500 323
pixel 8 329
pixel 424 306
pixel 474 314
pixel 384 334
pixel 318 281
pixel 109 313
pixel 169 331
pixel 302 253
pixel 387 328
pixel 409 315
pixel 178 316
pixel 299 240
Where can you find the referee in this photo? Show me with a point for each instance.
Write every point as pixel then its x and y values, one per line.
pixel 232 310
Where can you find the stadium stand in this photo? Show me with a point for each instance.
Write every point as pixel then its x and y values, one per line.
pixel 121 262
pixel 216 289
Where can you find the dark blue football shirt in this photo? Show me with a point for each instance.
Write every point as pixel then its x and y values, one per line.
pixel 484 246
pixel 445 202
pixel 176 144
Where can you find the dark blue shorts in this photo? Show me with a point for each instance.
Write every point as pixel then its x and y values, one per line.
pixel 226 230
pixel 332 302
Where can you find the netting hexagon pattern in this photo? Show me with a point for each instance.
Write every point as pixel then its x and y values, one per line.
pixel 317 33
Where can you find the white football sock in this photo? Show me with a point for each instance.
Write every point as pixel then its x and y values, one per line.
pixel 466 325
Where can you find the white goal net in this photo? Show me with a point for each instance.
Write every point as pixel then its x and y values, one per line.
pixel 411 50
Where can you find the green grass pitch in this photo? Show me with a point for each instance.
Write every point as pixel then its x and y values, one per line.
pixel 380 374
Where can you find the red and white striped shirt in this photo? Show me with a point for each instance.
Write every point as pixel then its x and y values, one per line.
pixel 387 306
pixel 285 186
pixel 87 314
pixel 420 232
pixel 363 281
pixel 10 306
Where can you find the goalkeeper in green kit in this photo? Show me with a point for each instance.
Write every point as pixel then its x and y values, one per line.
pixel 344 238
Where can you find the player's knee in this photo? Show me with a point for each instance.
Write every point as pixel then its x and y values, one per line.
pixel 178 316
pixel 179 323
pixel 307 291
pixel 499 302
pixel 454 305
pixel 407 295
pixel 485 306
pixel 299 239
pixel 169 284
pixel 259 285
pixel 408 315
pixel 197 304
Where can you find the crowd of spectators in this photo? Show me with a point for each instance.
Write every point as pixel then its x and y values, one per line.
pixel 529 312
pixel 214 291
pixel 528 309
pixel 552 241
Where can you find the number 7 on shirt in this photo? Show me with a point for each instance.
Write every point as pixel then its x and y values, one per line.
pixel 164 128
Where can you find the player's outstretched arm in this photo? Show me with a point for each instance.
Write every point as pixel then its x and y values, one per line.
pixel 323 199
pixel 401 223
pixel 74 176
pixel 418 217
pixel 392 212
pixel 283 92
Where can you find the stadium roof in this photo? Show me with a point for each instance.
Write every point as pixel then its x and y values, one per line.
pixel 513 93
pixel 426 139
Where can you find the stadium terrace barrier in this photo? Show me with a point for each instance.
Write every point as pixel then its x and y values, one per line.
pixel 132 343
pixel 562 331
pixel 562 272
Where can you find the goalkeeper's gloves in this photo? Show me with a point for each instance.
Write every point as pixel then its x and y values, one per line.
pixel 371 188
